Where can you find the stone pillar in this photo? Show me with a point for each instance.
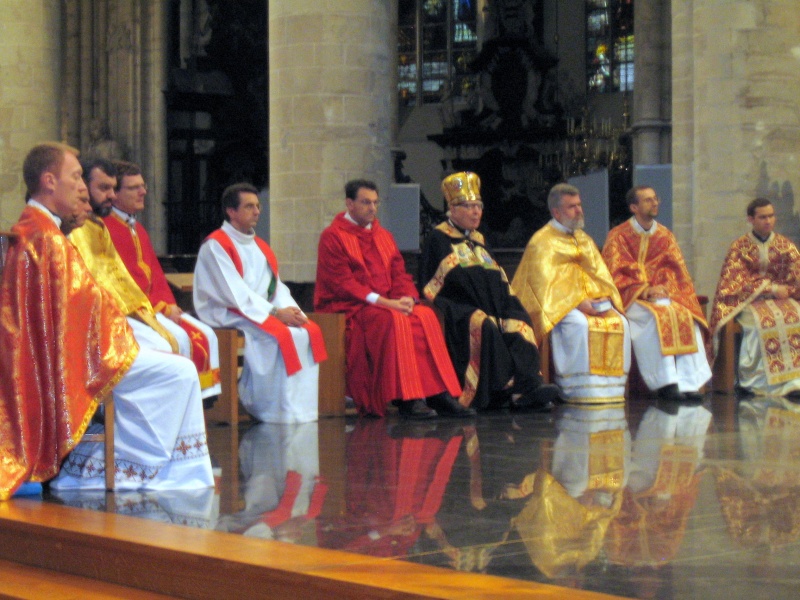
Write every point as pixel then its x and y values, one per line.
pixel 736 132
pixel 652 102
pixel 330 104
pixel 30 55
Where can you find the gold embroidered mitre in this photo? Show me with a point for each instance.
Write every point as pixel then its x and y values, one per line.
pixel 461 187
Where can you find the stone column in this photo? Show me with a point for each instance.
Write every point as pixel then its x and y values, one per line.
pixel 736 131
pixel 30 55
pixel 652 102
pixel 330 99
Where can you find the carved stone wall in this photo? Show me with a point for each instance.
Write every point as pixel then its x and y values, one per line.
pixel 331 67
pixel 736 122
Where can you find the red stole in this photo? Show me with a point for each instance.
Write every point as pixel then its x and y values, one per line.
pixel 272 325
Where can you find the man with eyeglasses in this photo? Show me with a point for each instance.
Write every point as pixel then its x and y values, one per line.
pixel 196 340
pixel 395 349
pixel 667 323
pixel 488 332
pixel 565 285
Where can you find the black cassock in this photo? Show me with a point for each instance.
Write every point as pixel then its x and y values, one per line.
pixel 489 334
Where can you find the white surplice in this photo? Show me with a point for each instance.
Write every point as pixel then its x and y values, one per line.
pixel 266 391
pixel 160 434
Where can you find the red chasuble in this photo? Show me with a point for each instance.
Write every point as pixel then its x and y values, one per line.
pixel 273 326
pixel 637 262
pixel 389 355
pixel 64 344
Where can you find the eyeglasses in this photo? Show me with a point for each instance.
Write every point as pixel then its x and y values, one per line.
pixel 135 188
pixel 471 205
pixel 375 203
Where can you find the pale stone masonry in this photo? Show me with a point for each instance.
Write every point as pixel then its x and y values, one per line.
pixel 736 122
pixel 331 68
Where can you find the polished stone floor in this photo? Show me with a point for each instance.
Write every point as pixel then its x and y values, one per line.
pixel 639 501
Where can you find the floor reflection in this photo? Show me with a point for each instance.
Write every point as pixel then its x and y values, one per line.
pixel 645 500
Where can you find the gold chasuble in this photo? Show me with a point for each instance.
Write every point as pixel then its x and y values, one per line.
pixel 750 271
pixel 639 260
pixel 104 263
pixel 64 345
pixel 558 271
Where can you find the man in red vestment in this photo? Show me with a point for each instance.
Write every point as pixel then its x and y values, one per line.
pixel 667 323
pixel 196 340
pixel 64 345
pixel 395 348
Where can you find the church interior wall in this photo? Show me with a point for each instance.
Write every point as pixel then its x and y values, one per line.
pixel 30 63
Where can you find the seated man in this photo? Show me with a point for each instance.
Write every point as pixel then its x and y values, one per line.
pixel 759 287
pixel 565 285
pixel 64 346
pixel 98 253
pixel 236 284
pixel 195 339
pixel 666 320
pixel 395 349
pixel 488 333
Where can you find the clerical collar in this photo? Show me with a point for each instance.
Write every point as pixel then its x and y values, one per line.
pixel 236 235
pixel 45 210
pixel 354 222
pixel 561 228
pixel 637 227
pixel 760 239
pixel 129 219
pixel 466 232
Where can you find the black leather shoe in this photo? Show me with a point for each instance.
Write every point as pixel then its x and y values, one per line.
pixel 693 397
pixel 416 410
pixel 542 399
pixel 447 406
pixel 670 393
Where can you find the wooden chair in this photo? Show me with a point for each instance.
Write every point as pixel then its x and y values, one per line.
pixel 107 437
pixel 723 373
pixel 331 371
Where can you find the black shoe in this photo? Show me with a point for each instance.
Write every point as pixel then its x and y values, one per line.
pixel 693 397
pixel 668 406
pixel 416 410
pixel 447 406
pixel 542 399
pixel 670 393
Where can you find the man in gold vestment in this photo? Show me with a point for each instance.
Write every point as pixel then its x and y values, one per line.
pixel 563 282
pixel 151 329
pixel 64 346
pixel 759 287
pixel 660 302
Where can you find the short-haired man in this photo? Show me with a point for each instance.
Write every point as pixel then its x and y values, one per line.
pixel 64 346
pixel 563 282
pixel 759 288
pixel 196 340
pixel 395 349
pixel 236 284
pixel 667 323
pixel 101 258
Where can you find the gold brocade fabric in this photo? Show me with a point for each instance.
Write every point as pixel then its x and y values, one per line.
pixel 64 345
pixel 778 324
pixel 560 533
pixel 104 263
pixel 558 271
pixel 606 345
pixel 750 270
pixel 638 261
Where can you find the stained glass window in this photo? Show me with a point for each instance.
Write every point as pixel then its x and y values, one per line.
pixel 609 45
pixel 437 40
